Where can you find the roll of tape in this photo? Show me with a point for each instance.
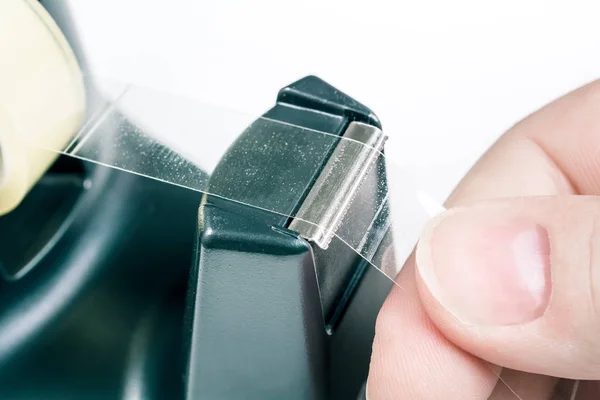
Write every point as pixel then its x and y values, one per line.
pixel 42 97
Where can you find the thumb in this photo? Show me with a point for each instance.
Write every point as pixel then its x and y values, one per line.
pixel 517 282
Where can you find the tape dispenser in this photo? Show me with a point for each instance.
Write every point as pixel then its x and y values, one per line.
pixel 118 286
pixel 274 296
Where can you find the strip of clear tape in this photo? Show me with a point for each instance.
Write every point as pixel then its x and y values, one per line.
pixel 184 142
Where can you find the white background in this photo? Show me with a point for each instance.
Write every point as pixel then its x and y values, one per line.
pixel 446 78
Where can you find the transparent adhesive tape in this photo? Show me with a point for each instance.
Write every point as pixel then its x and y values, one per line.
pixel 348 190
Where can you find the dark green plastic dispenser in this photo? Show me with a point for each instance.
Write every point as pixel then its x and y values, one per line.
pixel 272 315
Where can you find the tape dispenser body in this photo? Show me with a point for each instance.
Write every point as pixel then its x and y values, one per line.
pixel 119 285
pixel 271 314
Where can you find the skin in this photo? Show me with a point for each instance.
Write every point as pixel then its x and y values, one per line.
pixel 537 170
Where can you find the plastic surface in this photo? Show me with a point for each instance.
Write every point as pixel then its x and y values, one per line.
pixel 260 294
pixel 99 314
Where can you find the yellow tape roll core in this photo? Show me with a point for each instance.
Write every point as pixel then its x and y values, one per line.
pixel 42 97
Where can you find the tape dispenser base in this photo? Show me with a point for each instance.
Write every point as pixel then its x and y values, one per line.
pixel 271 314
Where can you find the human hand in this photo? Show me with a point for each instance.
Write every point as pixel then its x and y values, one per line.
pixel 507 281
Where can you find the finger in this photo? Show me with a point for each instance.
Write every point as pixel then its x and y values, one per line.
pixel 553 151
pixel 412 360
pixel 517 282
pixel 516 165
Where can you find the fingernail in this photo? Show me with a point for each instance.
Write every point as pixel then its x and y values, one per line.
pixel 486 266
